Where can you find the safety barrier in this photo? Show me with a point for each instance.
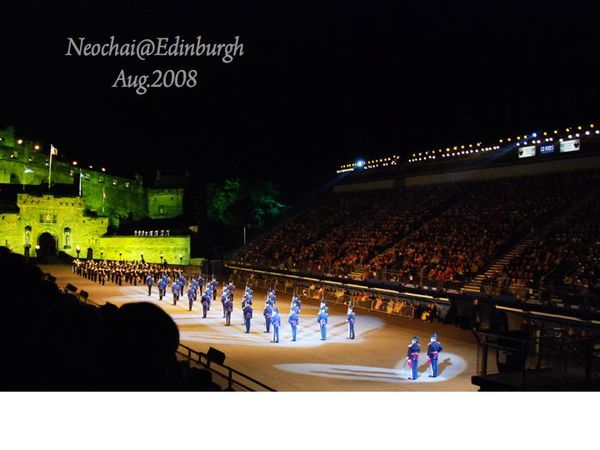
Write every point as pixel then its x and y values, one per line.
pixel 395 302
pixel 234 379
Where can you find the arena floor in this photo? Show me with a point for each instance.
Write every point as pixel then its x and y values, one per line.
pixel 374 361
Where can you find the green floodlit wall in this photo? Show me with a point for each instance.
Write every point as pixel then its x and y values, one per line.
pixel 62 217
pixel 131 248
pixel 165 203
pixel 107 195
pixel 65 220
pixel 112 196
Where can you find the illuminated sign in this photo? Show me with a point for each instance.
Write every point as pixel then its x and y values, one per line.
pixel 527 152
pixel 547 149
pixel 572 145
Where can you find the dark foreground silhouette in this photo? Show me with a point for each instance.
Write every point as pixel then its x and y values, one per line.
pixel 49 340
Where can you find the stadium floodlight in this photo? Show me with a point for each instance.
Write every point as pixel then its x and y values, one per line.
pixel 360 163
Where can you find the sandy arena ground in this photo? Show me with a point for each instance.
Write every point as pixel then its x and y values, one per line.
pixel 374 361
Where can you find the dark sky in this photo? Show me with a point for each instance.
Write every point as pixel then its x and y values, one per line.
pixel 317 86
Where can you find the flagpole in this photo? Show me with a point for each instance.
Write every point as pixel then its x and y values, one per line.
pixel 50 167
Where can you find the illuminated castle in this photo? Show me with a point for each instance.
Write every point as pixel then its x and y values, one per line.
pixel 79 208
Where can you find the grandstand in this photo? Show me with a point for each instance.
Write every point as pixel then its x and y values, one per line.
pixel 467 227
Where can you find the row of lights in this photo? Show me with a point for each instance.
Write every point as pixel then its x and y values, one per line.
pixel 361 163
pixel 371 164
pixel 37 147
pixel 464 150
pixel 518 142
pixel 20 142
pixel 75 163
pixel 454 151
pixel 570 136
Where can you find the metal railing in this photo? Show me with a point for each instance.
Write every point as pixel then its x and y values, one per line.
pixel 390 303
pixel 548 294
pixel 233 378
pixel 558 357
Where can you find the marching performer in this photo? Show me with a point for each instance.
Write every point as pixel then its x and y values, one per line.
pixel 205 299
pixel 228 307
pixel 149 282
pixel 433 350
pixel 412 356
pixel 176 289
pixel 268 312
pixel 293 320
pixel 247 312
pixel 276 322
pixel 322 319
pixel 350 319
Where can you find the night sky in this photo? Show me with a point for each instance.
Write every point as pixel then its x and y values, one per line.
pixel 317 86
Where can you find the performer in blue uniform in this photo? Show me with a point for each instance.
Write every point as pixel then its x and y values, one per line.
pixel 271 297
pixel 200 283
pixel 224 296
pixel 433 350
pixel 228 305
pixel 322 321
pixel 276 322
pixel 296 304
pixel 412 356
pixel 191 293
pixel 149 282
pixel 162 288
pixel 268 312
pixel 181 282
pixel 247 311
pixel 176 289
pixel 293 320
pixel 205 301
pixel 208 293
pixel 351 319
pixel 194 284
pixel 246 300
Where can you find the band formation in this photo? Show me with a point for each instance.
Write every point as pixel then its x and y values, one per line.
pixel 165 279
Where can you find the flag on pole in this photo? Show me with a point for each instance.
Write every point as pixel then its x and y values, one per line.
pixel 53 152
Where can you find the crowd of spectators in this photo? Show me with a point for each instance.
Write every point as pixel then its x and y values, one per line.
pixel 564 262
pixel 470 234
pixel 427 235
pixel 50 340
pixel 344 232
